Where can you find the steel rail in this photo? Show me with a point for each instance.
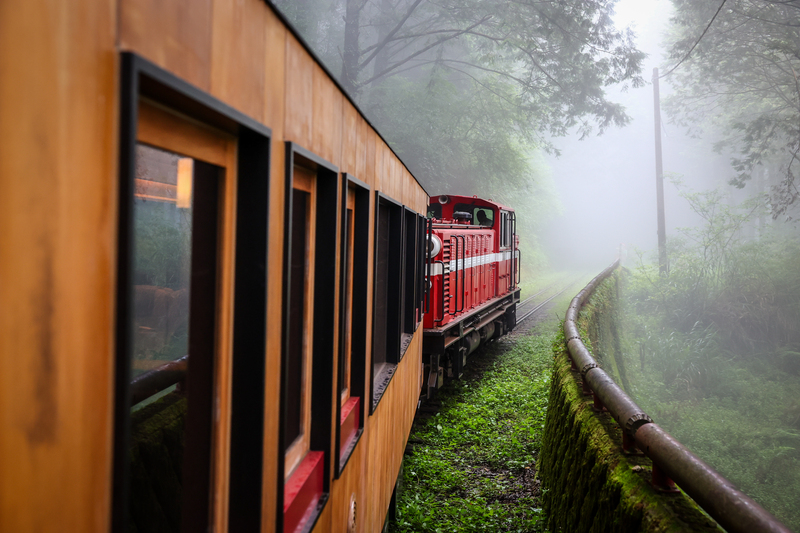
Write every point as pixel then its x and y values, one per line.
pixel 731 508
pixel 542 304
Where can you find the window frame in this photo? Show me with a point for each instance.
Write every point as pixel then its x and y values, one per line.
pixel 359 309
pixel 409 277
pixel 324 315
pixel 393 293
pixel 235 492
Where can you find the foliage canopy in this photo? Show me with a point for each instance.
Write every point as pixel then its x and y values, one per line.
pixel 742 78
pixel 463 91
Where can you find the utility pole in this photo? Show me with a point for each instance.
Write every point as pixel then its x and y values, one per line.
pixel 662 231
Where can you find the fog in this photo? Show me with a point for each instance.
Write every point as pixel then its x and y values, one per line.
pixel 548 107
pixel 608 182
pixel 471 110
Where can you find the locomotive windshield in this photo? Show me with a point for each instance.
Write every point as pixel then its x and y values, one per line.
pixel 481 216
pixel 435 211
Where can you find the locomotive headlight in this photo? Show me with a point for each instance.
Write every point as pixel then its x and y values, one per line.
pixel 434 246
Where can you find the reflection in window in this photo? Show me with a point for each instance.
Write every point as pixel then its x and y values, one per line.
pixel 174 233
pixel 162 242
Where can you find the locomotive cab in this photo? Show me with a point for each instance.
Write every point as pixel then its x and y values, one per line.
pixel 473 278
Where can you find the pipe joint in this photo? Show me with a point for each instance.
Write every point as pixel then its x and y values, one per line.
pixel 586 368
pixel 636 421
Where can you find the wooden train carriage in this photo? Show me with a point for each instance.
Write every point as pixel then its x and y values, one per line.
pixel 190 205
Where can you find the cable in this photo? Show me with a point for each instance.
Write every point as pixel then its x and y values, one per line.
pixel 696 42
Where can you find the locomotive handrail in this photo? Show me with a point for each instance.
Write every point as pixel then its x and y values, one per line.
pixel 731 508
pixel 154 381
pixel 453 296
pixel 441 292
pixel 428 261
pixel 512 278
pixel 463 270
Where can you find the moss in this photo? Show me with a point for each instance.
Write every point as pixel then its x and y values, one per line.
pixel 589 484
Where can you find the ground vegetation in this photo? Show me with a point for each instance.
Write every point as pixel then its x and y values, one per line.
pixel 471 465
pixel 713 349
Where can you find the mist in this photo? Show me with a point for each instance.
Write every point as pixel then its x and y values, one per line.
pixel 549 109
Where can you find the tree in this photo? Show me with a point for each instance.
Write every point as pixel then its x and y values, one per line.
pixel 742 78
pixel 467 92
pixel 548 61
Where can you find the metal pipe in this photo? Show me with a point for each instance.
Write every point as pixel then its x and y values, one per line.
pixel 731 508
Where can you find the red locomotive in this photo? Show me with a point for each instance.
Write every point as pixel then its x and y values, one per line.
pixel 472 285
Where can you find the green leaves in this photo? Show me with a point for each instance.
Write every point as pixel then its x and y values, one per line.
pixel 473 463
pixel 741 80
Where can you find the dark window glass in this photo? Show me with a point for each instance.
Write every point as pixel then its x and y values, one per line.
pixel 381 290
pixel 297 296
pixel 347 294
pixel 388 296
pixel 410 272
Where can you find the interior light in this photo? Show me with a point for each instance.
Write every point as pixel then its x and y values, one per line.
pixel 185 172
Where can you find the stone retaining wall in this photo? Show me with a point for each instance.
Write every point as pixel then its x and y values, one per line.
pixel 589 484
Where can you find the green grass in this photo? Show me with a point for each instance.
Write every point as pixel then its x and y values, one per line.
pixel 473 464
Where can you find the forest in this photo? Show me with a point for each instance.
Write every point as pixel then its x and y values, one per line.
pixel 482 97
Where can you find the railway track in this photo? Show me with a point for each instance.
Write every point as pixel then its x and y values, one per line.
pixel 530 305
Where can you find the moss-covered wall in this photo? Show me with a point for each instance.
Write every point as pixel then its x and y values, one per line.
pixel 589 484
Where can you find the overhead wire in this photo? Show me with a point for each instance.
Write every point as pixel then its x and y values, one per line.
pixel 696 42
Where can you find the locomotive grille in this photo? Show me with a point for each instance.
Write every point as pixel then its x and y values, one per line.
pixel 446 276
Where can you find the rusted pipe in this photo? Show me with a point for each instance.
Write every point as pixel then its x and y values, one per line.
pixel 154 381
pixel 731 508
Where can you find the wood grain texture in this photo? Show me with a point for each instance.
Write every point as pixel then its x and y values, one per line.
pixel 363 150
pixel 173 34
pixel 327 117
pixel 224 361
pixel 299 75
pixel 272 381
pixel 58 196
pixel 59 77
pixel 238 55
pixel 351 486
pixel 274 111
pixel 390 426
pixel 349 141
pixel 162 129
pixel 275 38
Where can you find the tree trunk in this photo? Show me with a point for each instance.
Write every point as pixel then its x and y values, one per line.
pixel 350 70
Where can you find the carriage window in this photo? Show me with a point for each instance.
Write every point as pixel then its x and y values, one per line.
pixel 308 350
pixel 347 297
pixel 387 295
pixel 409 278
pixel 184 250
pixel 297 392
pixel 175 223
pixel 162 266
pixel 354 264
